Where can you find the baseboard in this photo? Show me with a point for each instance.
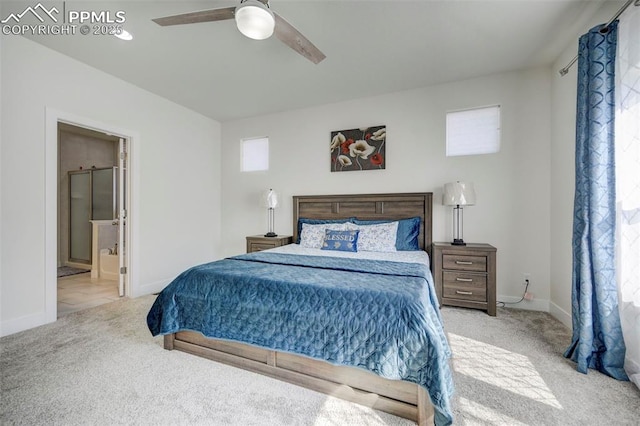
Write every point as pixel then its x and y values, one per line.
pixel 561 315
pixel 26 322
pixel 151 288
pixel 78 265
pixel 529 305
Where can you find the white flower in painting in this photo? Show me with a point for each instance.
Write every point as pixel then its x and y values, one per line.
pixel 379 135
pixel 344 160
pixel 337 140
pixel 363 129
pixel 361 149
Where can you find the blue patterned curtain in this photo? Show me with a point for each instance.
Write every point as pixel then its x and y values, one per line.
pixel 597 336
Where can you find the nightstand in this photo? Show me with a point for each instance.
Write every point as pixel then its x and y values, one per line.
pixel 465 275
pixel 260 242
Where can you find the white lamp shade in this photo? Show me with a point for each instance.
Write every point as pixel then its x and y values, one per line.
pixel 255 20
pixel 459 194
pixel 270 199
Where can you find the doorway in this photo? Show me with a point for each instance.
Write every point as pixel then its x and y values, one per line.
pixel 89 170
pixel 88 213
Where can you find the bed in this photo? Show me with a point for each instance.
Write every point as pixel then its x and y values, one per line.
pixel 343 349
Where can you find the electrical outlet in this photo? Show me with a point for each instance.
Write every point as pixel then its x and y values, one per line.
pixel 526 278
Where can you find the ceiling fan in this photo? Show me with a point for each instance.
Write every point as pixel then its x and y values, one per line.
pixel 254 19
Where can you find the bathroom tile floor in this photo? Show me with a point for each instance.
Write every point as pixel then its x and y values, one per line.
pixel 78 292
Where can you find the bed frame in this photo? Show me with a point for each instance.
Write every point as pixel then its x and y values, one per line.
pixel 404 399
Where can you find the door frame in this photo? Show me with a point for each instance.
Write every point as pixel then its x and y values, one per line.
pixel 52 117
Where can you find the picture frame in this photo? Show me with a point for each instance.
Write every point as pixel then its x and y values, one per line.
pixel 358 149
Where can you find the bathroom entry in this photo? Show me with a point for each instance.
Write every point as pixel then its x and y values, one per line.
pixel 91 206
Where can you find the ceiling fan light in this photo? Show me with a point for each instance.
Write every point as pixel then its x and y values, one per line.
pixel 124 35
pixel 255 20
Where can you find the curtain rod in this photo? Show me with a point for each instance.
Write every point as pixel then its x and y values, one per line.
pixel 603 29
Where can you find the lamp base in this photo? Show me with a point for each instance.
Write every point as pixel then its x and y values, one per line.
pixel 270 234
pixel 458 242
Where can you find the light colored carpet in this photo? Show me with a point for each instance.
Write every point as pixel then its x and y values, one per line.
pixel 102 367
pixel 510 370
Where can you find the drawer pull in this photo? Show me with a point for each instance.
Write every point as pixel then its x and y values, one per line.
pixel 463 262
pixel 466 280
pixel 466 293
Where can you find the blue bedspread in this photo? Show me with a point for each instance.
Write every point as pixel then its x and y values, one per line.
pixel 377 315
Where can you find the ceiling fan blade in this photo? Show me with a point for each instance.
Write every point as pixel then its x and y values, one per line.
pixel 287 34
pixel 195 17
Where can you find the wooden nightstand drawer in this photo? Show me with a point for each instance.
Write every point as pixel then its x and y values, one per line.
pixel 462 278
pixel 261 246
pixel 260 242
pixel 464 263
pixel 463 286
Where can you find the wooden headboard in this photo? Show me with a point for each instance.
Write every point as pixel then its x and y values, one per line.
pixel 368 207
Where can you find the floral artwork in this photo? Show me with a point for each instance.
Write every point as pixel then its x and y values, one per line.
pixel 358 149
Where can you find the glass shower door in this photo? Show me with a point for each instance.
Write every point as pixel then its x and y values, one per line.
pixel 103 198
pixel 79 216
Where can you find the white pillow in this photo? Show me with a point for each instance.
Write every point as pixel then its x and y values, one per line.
pixel 312 236
pixel 380 237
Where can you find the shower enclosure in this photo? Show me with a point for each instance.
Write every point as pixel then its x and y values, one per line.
pixel 92 196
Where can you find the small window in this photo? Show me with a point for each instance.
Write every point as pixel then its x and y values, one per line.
pixel 254 154
pixel 473 131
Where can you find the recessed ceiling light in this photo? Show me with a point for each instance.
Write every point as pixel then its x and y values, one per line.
pixel 124 35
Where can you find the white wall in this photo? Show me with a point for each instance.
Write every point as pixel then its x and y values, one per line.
pixel 512 210
pixel 563 131
pixel 176 174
